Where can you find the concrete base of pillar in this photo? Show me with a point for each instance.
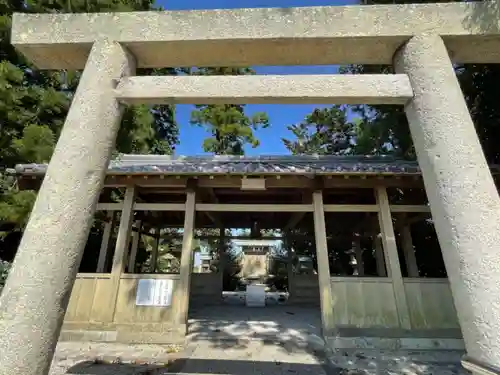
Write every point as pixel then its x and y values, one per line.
pixel 379 361
pixel 150 333
pixel 395 339
pixel 479 368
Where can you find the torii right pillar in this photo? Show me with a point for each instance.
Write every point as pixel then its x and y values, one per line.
pixel 464 201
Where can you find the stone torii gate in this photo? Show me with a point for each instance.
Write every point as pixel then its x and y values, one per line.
pixel 421 41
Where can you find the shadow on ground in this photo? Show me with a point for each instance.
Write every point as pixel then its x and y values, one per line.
pixel 209 366
pixel 93 368
pixel 236 340
pixel 292 328
pixel 252 367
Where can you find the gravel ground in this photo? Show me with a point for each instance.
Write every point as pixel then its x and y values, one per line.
pixel 111 359
pixel 255 357
pixel 378 362
pixel 241 341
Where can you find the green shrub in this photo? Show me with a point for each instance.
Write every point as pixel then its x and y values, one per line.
pixel 4 271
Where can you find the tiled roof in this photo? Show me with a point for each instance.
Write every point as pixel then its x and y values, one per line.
pixel 287 164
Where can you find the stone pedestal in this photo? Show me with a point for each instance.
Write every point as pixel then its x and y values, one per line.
pixel 34 301
pixel 464 201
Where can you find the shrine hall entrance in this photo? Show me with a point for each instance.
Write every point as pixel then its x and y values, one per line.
pixel 256 274
pixel 250 245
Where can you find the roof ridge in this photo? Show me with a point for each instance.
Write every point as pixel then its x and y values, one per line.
pixel 135 158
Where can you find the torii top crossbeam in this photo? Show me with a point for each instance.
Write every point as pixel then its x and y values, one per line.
pixel 274 36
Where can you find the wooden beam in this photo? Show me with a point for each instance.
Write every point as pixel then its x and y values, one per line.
pixel 350 208
pixel 123 238
pixel 379 256
pixel 416 218
pixel 103 251
pixel 409 252
pixel 325 287
pixel 136 237
pixel 294 220
pixel 409 208
pixel 182 289
pixel 290 274
pixel 254 207
pixel 273 181
pixel 222 207
pixel 392 257
pixel 222 261
pixel 298 216
pixel 358 253
pixel 154 252
pixel 159 207
pixel 121 247
pixel 215 219
pixel 109 206
pixel 212 195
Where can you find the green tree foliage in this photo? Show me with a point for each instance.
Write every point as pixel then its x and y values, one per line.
pixel 326 131
pixel 230 128
pixel 383 129
pixel 4 270
pixel 15 208
pixel 384 126
pixel 378 130
pixel 24 104
pixel 34 104
pixel 36 144
pixel 149 130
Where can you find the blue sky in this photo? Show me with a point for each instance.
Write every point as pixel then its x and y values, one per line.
pixel 280 116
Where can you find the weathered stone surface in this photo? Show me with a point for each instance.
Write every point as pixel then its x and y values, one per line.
pixel 249 37
pixel 464 201
pixel 113 359
pixel 34 300
pixel 267 89
pixel 375 362
pixel 212 355
pixel 463 198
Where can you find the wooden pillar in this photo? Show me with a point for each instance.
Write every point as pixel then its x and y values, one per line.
pixel 289 268
pixel 182 289
pixel 136 237
pixel 409 252
pixel 325 287
pixel 379 255
pixel 391 256
pixel 121 247
pixel 222 257
pixel 358 252
pixel 154 251
pixel 106 235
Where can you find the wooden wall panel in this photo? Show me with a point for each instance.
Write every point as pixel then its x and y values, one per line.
pixel 431 304
pixel 364 303
pixel 127 311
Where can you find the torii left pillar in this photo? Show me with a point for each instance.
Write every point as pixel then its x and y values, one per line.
pixel 35 298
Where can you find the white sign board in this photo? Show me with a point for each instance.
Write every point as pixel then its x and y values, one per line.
pixel 154 292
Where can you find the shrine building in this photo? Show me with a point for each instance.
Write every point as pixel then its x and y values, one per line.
pixel 401 251
pixel 366 221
